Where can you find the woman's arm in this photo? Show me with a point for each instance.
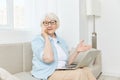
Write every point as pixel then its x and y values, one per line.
pixel 48 55
pixel 72 56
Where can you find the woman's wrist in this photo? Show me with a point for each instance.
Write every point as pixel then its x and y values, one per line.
pixel 47 40
pixel 77 52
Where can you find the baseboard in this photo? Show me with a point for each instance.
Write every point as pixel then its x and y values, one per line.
pixel 111 74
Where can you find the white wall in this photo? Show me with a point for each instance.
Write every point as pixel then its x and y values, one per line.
pixel 68 12
pixel 14 36
pixel 83 31
pixel 107 28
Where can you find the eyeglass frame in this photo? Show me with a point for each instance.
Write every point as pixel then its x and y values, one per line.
pixel 52 22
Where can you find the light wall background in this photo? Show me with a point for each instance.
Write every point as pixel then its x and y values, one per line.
pixel 108 30
pixel 75 25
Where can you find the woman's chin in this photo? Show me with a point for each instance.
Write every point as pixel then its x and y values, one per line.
pixel 50 33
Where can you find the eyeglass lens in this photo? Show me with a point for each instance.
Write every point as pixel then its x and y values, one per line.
pixel 46 23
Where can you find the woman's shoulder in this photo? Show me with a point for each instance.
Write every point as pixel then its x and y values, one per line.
pixel 38 38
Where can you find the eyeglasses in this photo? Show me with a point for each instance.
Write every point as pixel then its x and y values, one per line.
pixel 52 22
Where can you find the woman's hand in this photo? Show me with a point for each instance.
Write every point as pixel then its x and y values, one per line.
pixel 44 32
pixel 83 47
pixel 80 48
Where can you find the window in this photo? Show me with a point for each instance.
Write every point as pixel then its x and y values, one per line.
pixel 3 12
pixel 11 13
pixel 23 15
pixel 19 13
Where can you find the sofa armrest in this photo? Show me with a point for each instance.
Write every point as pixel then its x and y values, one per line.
pixel 96 66
pixel 98 60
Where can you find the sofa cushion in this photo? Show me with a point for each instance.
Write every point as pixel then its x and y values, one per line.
pixel 27 57
pixel 24 76
pixel 11 57
pixel 5 75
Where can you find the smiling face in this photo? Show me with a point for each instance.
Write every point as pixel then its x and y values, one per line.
pixel 50 25
pixel 50 22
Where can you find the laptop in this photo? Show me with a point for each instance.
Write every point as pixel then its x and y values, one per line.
pixel 83 59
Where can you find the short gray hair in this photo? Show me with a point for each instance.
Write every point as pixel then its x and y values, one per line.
pixel 52 16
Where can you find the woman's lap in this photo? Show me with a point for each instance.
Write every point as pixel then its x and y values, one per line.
pixel 77 74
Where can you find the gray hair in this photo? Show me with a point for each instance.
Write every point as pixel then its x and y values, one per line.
pixel 51 16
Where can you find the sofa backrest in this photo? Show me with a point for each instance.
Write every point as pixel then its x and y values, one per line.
pixel 16 57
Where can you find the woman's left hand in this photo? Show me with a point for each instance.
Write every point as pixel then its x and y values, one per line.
pixel 83 47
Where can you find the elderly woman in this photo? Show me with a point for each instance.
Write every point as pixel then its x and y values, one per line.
pixel 50 53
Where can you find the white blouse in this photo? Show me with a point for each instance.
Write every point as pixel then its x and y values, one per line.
pixel 62 57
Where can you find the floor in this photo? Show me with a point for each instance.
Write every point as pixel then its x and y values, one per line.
pixel 103 77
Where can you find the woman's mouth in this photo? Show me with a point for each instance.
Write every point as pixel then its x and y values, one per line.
pixel 49 29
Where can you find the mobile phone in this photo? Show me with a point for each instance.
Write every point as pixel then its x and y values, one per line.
pixel 46 31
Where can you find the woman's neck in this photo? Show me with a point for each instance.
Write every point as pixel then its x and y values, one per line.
pixel 52 35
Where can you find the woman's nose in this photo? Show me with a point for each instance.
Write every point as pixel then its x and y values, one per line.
pixel 49 25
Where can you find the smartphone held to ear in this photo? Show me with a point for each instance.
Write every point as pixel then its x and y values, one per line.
pixel 46 31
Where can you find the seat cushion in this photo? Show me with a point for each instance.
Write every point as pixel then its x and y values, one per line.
pixel 24 76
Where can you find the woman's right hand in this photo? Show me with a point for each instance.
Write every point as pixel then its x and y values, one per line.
pixel 44 32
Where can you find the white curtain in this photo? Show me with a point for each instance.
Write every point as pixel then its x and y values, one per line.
pixel 33 12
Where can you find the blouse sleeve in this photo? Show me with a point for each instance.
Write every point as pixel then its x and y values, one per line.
pixel 37 47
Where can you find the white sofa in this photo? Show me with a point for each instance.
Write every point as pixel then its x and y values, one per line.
pixel 17 59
